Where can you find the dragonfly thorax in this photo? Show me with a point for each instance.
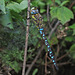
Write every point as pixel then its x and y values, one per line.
pixel 34 10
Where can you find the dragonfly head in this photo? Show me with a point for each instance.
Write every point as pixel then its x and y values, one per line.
pixel 34 10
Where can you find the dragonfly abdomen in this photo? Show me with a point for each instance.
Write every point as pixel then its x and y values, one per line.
pixel 48 47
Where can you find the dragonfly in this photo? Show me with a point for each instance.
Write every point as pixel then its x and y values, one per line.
pixel 38 21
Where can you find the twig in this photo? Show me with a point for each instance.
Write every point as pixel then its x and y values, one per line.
pixel 71 4
pixel 61 64
pixel 48 16
pixel 53 29
pixel 53 22
pixel 64 63
pixel 58 49
pixel 26 41
pixel 54 71
pixel 46 64
pixel 58 64
pixel 62 56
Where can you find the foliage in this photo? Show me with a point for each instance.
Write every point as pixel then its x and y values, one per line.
pixel 74 8
pixel 73 27
pixel 64 17
pixel 13 16
pixel 35 71
pixel 72 51
pixel 2 6
pixel 16 6
pixel 12 58
pixel 7 20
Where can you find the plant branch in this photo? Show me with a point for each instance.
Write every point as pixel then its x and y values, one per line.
pixel 58 49
pixel 64 63
pixel 48 16
pixel 62 56
pixel 26 41
pixel 71 4
pixel 53 22
pixel 53 29
pixel 46 64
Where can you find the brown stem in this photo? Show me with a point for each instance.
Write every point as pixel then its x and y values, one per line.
pixel 48 16
pixel 64 63
pixel 26 41
pixel 46 64
pixel 53 22
pixel 71 4
pixel 53 29
pixel 58 49
pixel 62 56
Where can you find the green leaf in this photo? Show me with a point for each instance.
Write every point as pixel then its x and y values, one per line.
pixel 72 48
pixel 14 65
pixel 63 43
pixel 14 6
pixel 69 38
pixel 64 2
pixel 58 1
pixel 62 13
pixel 17 7
pixel 45 18
pixel 24 4
pixel 72 26
pixel 73 8
pixel 38 3
pixel 42 10
pixel 54 40
pixel 72 51
pixel 49 2
pixel 41 4
pixel 73 31
pixel 2 6
pixel 19 1
pixel 35 3
pixel 7 20
pixel 35 71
